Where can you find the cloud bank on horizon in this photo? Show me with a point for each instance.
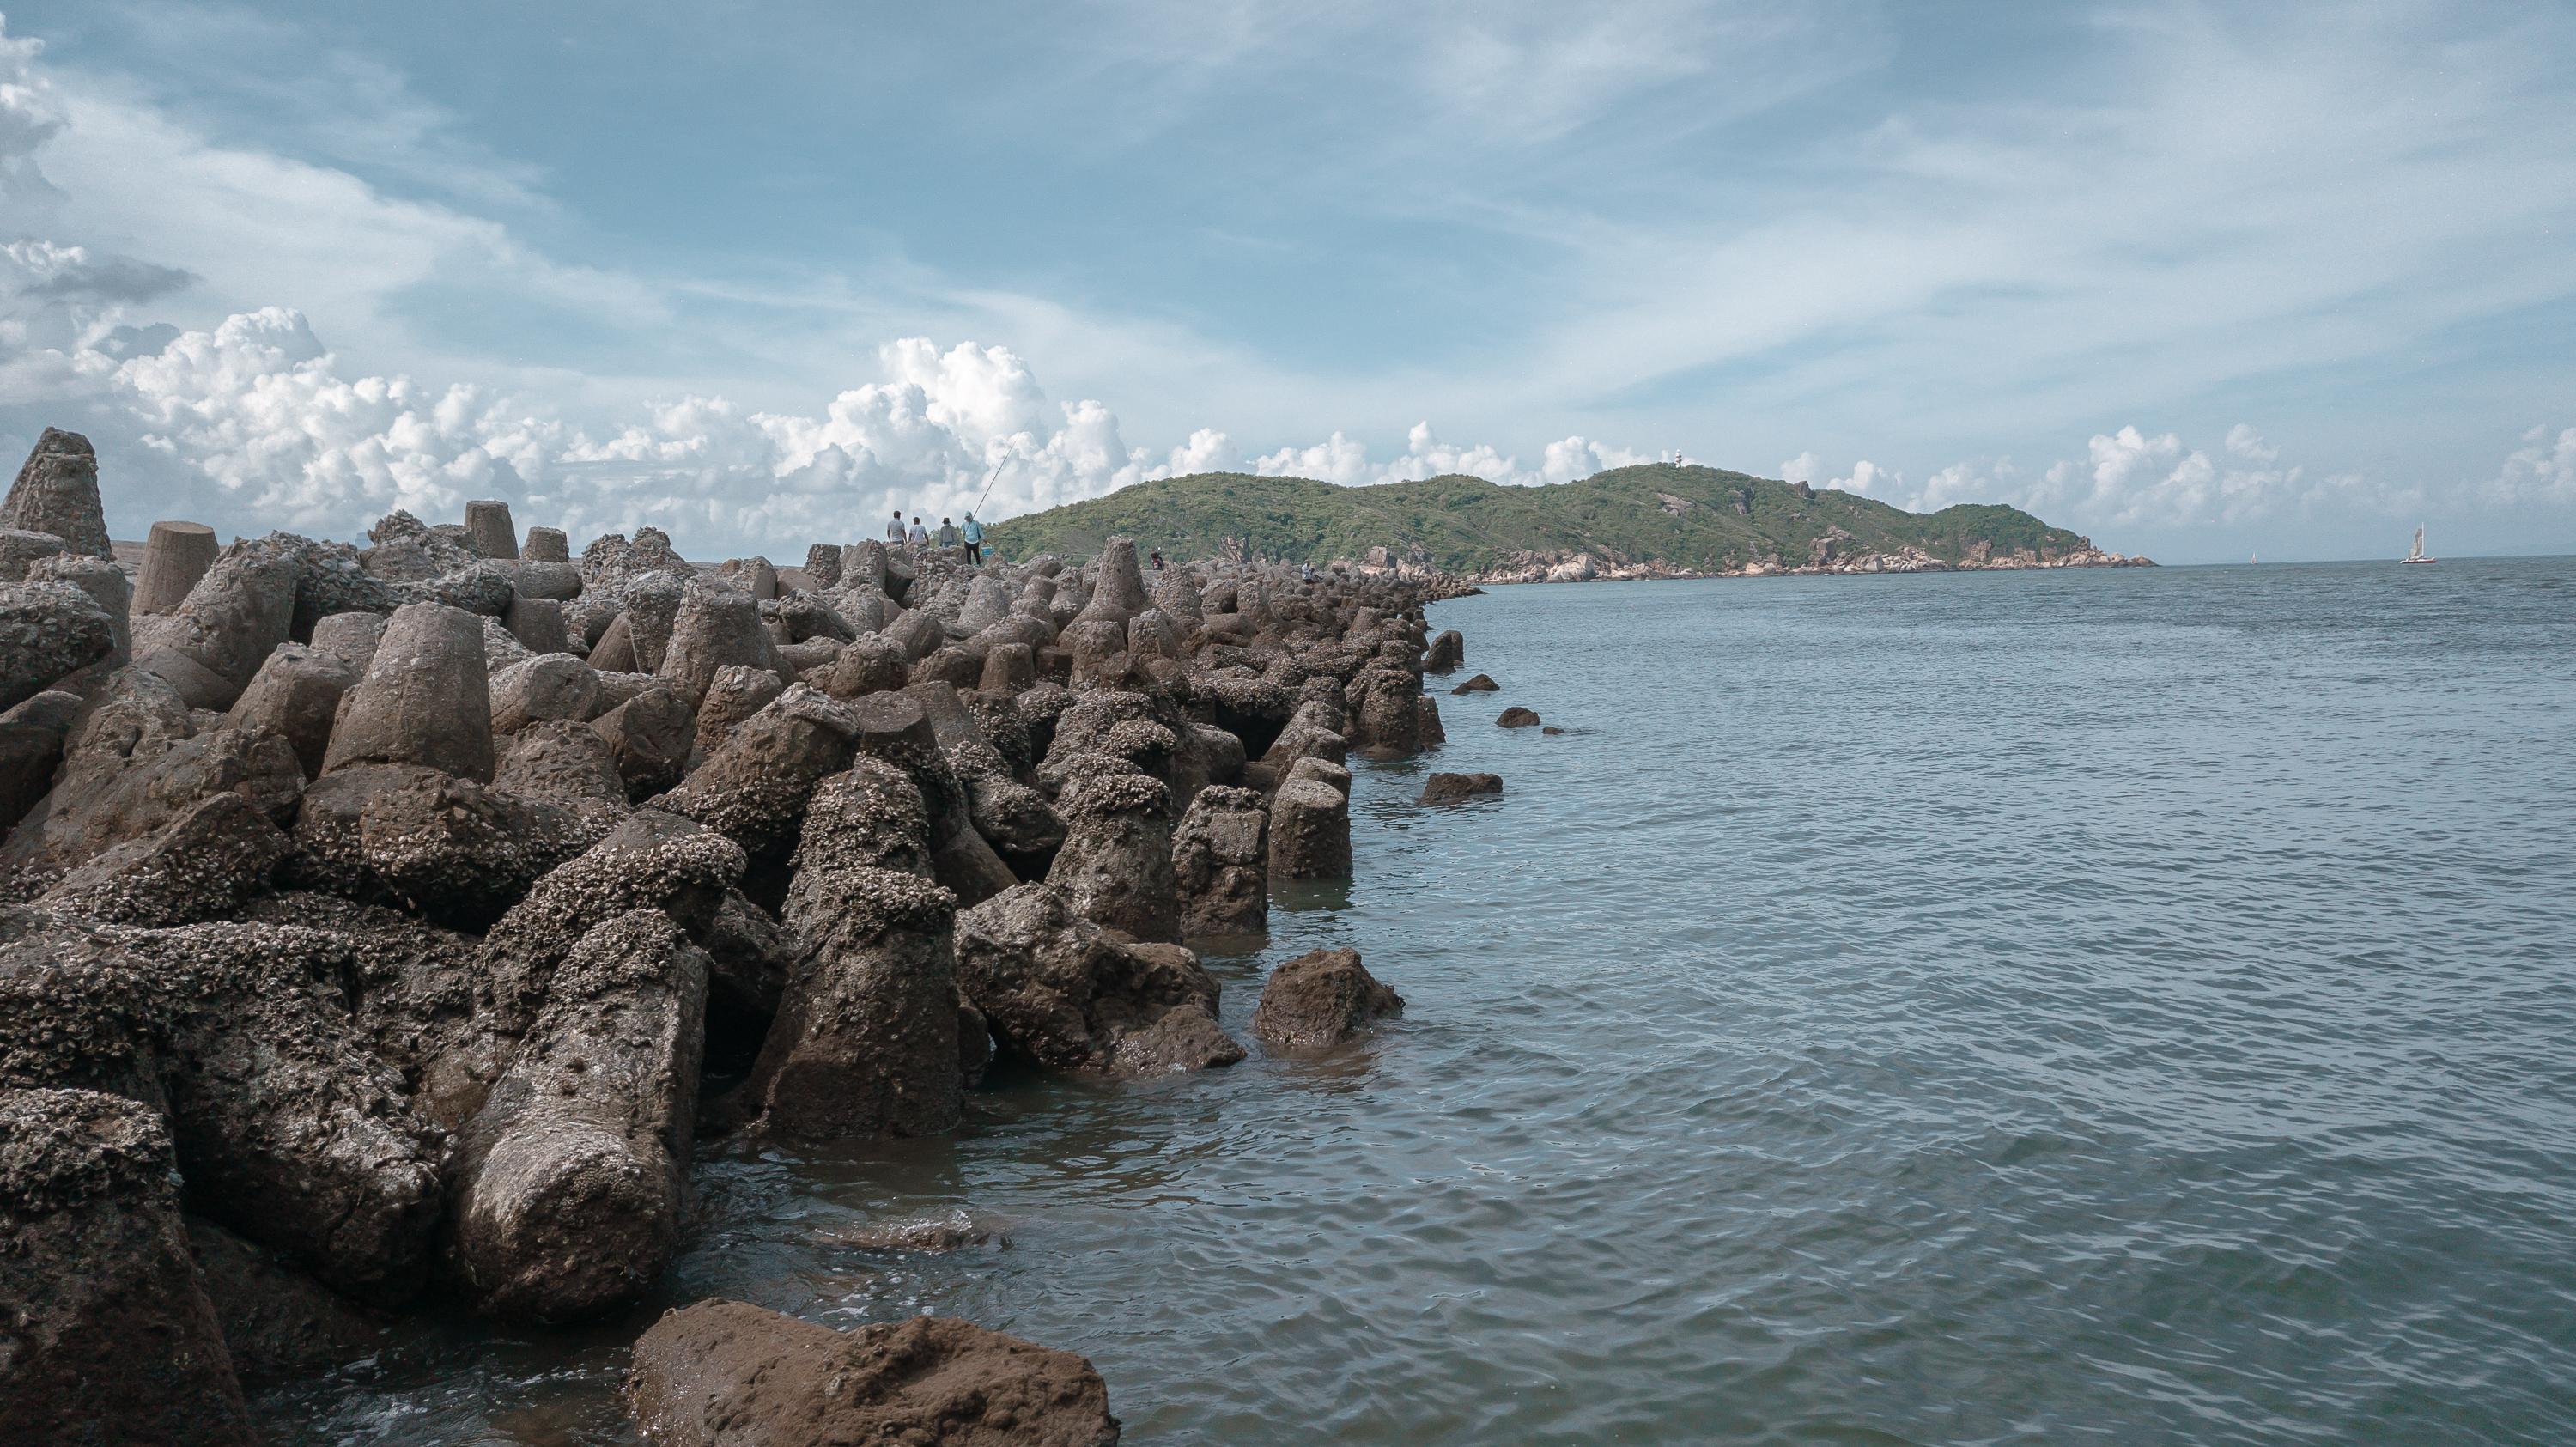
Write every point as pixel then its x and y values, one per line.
pixel 285 283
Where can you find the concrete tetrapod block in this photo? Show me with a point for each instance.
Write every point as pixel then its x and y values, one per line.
pixel 425 699
pixel 1310 831
pixel 570 1179
pixel 488 527
pixel 57 492
pixel 547 545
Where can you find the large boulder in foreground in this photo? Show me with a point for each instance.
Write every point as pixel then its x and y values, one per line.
pixel 1310 831
pixel 1058 991
pixel 289 1129
pixel 1446 653
pixel 1322 997
pixel 729 1374
pixel 866 1039
pixel 107 1338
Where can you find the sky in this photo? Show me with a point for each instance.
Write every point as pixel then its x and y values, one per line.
pixel 2199 282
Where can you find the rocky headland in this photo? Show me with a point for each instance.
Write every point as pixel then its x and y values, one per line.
pixel 369 916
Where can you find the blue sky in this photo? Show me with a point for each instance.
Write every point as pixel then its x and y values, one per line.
pixel 2195 280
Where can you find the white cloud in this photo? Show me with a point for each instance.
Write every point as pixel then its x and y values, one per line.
pixel 1868 478
pixel 267 416
pixel 2245 442
pixel 1344 460
pixel 1573 458
pixel 2142 480
pixel 2540 471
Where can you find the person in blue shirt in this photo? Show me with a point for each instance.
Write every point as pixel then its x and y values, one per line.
pixel 974 541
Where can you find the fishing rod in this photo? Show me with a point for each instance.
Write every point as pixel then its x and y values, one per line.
pixel 988 484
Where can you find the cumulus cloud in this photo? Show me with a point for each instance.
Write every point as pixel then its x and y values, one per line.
pixel 2542 470
pixel 2243 441
pixel 1344 460
pixel 1868 479
pixel 263 419
pixel 2134 478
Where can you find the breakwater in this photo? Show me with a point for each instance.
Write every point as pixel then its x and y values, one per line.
pixel 388 929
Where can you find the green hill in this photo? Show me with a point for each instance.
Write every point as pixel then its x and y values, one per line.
pixel 1694 518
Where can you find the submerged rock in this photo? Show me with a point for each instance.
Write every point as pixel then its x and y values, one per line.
pixel 1450 788
pixel 1320 998
pixel 729 1374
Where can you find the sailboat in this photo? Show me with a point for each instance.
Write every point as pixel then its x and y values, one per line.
pixel 2416 554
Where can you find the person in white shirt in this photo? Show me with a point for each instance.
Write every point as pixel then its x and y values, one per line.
pixel 919 537
pixel 894 530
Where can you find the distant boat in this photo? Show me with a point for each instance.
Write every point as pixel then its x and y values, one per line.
pixel 2416 554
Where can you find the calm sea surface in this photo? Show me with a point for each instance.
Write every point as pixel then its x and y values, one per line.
pixel 2125 1007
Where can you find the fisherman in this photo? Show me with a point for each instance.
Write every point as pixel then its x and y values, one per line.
pixel 919 537
pixel 947 535
pixel 894 530
pixel 974 541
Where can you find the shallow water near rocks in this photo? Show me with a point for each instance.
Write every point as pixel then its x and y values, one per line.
pixel 2132 1007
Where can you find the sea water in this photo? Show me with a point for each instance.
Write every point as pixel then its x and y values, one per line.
pixel 2124 1006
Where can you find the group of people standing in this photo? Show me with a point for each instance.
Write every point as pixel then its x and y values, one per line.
pixel 970 537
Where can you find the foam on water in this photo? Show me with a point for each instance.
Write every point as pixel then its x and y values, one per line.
pixel 2128 1006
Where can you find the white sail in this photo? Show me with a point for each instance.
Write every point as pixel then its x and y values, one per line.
pixel 2417 551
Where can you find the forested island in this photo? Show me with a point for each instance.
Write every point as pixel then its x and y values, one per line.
pixel 1654 521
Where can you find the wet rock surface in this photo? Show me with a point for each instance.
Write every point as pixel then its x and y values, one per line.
pixel 730 1374
pixel 1451 788
pixel 1321 998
